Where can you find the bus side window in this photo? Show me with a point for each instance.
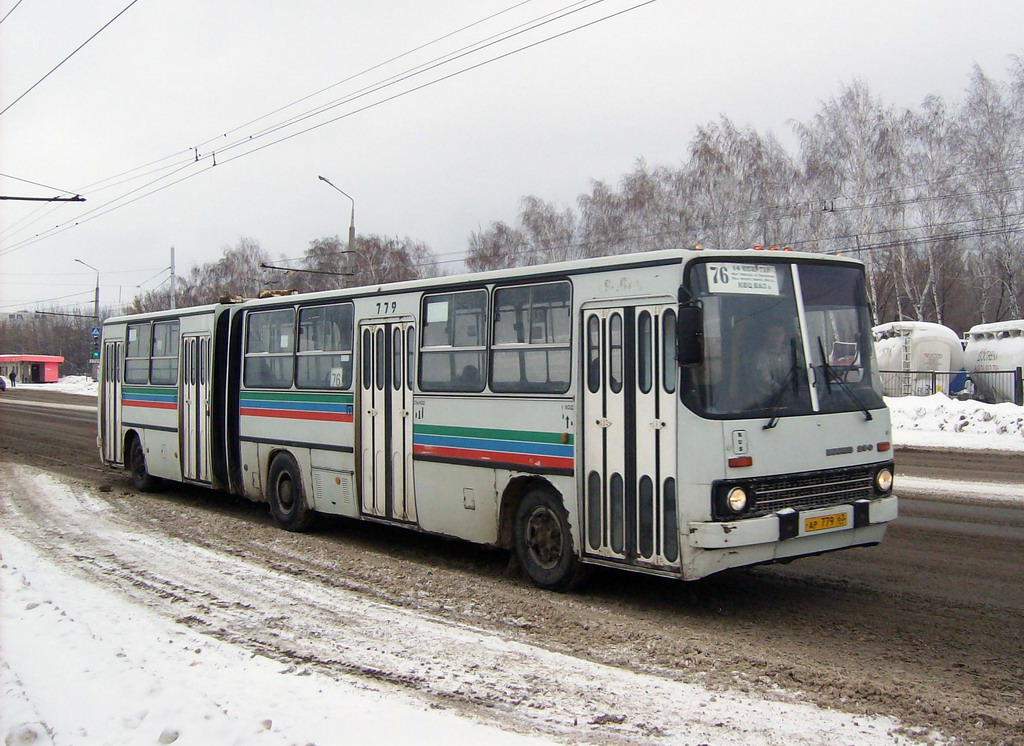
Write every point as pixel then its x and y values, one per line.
pixel 164 362
pixel 270 348
pixel 531 343
pixel 325 347
pixel 454 341
pixel 136 356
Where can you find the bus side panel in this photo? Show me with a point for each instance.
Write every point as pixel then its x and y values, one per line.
pixel 331 483
pixel 152 412
pixel 457 500
pixel 251 483
pixel 466 450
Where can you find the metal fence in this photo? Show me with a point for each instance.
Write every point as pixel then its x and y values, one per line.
pixel 993 387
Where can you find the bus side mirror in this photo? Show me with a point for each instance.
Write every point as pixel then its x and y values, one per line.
pixel 689 335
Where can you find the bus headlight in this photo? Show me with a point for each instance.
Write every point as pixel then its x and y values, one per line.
pixel 736 499
pixel 883 479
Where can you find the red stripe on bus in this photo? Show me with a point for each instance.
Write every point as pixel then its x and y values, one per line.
pixel 525 459
pixel 291 414
pixel 148 404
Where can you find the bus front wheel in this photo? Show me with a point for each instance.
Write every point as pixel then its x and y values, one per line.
pixel 287 499
pixel 544 542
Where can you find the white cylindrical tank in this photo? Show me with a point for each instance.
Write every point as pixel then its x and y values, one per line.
pixel 915 349
pixel 995 347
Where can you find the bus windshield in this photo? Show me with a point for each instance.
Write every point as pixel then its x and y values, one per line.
pixel 781 339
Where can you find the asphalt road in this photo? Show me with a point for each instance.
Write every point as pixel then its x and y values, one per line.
pixel 926 627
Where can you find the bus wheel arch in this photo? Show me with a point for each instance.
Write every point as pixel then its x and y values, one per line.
pixel 135 463
pixel 286 495
pixel 542 535
pixel 515 491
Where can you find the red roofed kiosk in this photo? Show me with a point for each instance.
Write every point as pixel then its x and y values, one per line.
pixel 31 368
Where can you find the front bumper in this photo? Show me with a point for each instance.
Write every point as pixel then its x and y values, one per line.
pixel 791 526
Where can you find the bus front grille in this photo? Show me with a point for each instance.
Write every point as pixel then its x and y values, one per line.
pixel 813 489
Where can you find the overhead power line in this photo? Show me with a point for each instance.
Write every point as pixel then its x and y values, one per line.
pixel 10 11
pixel 364 72
pixel 46 300
pixel 126 176
pixel 76 198
pixel 418 70
pixel 19 98
pixel 922 240
pixel 193 153
pixel 36 183
pixel 210 160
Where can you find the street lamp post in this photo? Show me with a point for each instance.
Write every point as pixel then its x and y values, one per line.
pixel 352 224
pixel 94 360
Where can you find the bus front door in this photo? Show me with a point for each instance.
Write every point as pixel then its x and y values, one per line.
pixel 386 358
pixel 629 435
pixel 110 402
pixel 195 407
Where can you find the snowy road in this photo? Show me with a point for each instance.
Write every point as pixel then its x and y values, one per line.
pixel 405 637
pixel 116 632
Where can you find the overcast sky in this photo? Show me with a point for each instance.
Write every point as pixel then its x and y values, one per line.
pixel 187 80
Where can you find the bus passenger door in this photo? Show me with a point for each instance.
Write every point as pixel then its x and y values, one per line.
pixel 629 434
pixel 195 407
pixel 387 369
pixel 110 401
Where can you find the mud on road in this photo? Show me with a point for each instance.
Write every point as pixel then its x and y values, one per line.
pixel 925 628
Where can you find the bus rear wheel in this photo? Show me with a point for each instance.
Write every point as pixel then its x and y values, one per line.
pixel 287 498
pixel 142 480
pixel 544 543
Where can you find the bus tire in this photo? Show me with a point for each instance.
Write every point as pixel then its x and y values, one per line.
pixel 544 542
pixel 142 480
pixel 286 496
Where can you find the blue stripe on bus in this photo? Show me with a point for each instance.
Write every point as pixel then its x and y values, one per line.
pixel 480 444
pixel 150 397
pixel 298 406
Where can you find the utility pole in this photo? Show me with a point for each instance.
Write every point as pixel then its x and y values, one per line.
pixel 94 361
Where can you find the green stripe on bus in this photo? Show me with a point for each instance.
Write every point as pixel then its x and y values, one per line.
pixel 528 436
pixel 293 396
pixel 148 390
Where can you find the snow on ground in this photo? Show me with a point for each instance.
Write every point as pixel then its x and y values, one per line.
pixel 83 665
pixel 945 490
pixel 83 385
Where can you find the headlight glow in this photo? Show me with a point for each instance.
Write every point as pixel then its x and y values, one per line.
pixel 883 480
pixel 736 499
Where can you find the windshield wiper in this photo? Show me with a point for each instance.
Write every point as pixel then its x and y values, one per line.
pixel 790 376
pixel 831 376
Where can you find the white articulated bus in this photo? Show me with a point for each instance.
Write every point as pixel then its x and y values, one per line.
pixel 674 412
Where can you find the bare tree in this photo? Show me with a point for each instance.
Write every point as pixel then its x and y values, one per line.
pixel 53 332
pixel 993 124
pixel 852 154
pixel 543 234
pixel 380 259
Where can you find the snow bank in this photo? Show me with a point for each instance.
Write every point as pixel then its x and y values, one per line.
pixel 83 385
pixel 937 421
